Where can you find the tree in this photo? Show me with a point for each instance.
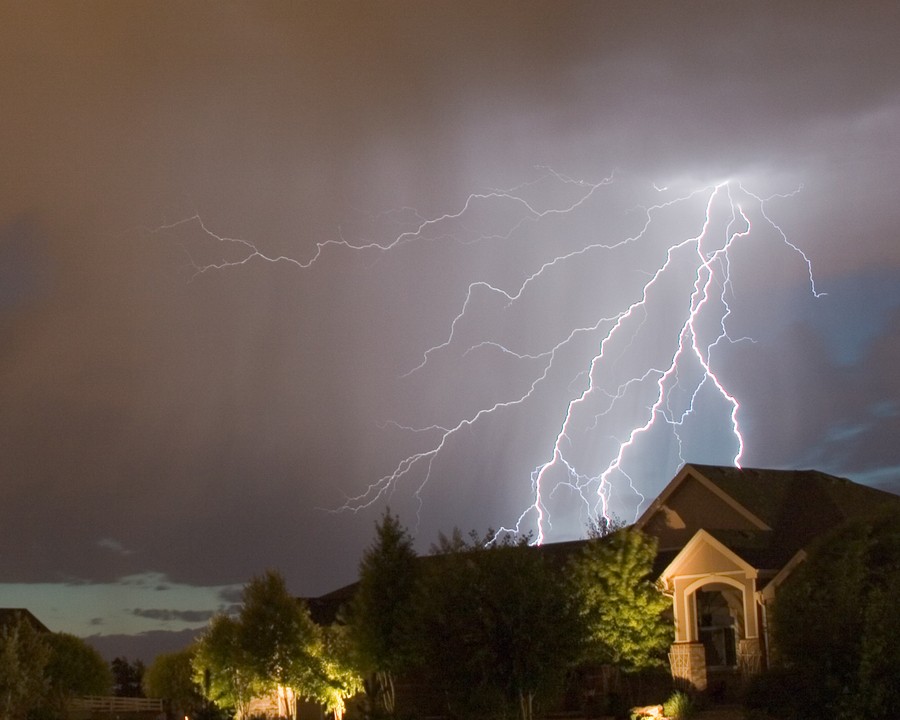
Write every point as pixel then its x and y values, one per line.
pixel 380 612
pixel 621 605
pixel 171 677
pixel 338 677
pixel 604 525
pixel 127 677
pixel 23 657
pixel 835 622
pixel 497 627
pixel 73 669
pixel 273 647
pixel 532 622
pixel 222 668
pixel 279 638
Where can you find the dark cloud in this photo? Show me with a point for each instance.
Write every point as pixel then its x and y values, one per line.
pixel 189 616
pixel 203 426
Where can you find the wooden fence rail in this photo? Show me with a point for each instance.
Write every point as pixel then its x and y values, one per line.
pixel 117 704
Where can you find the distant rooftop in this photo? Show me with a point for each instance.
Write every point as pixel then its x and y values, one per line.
pixel 8 617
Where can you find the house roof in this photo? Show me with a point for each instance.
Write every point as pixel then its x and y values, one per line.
pixel 789 508
pixel 799 505
pixel 785 491
pixel 8 617
pixel 324 609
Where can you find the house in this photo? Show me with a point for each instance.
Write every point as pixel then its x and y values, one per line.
pixel 727 538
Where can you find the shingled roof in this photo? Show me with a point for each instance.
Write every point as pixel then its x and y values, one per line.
pixel 799 505
pixel 779 512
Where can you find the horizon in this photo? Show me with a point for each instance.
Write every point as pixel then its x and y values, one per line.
pixel 146 644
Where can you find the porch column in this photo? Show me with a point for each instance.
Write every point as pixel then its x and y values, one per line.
pixel 688 663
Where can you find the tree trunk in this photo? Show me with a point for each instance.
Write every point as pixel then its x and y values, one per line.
pixel 526 705
pixel 386 688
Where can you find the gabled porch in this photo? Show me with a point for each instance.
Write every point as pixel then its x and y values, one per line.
pixel 714 604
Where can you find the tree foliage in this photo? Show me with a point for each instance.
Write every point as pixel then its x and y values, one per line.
pixel 337 677
pixel 379 614
pixel 73 669
pixel 836 621
pixel 273 648
pixel 171 677
pixel 279 638
pixel 623 609
pixel 222 668
pixel 23 656
pixel 127 677
pixel 496 626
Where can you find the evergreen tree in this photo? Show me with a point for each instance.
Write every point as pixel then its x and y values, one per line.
pixel 380 612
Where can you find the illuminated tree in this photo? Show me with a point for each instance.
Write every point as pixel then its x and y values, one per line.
pixel 337 677
pixel 23 656
pixel 273 648
pixel 279 638
pixel 73 669
pixel 379 614
pixel 222 667
pixel 621 605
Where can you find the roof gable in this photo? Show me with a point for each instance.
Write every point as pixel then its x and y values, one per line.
pixel 783 509
pixel 705 555
pixel 798 504
pixel 691 502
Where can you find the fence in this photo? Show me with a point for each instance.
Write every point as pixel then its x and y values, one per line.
pixel 117 704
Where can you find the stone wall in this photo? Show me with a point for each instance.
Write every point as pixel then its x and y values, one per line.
pixel 688 663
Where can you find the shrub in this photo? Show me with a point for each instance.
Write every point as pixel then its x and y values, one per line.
pixel 782 693
pixel 680 706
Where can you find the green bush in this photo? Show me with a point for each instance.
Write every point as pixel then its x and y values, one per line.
pixel 680 706
pixel 835 621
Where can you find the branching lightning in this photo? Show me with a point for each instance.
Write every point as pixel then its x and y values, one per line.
pixel 622 394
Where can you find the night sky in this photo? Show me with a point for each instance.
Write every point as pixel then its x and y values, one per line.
pixel 258 258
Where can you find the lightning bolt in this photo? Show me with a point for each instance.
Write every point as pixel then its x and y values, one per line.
pixel 664 392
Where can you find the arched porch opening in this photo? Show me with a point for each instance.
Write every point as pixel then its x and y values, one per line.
pixel 719 614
